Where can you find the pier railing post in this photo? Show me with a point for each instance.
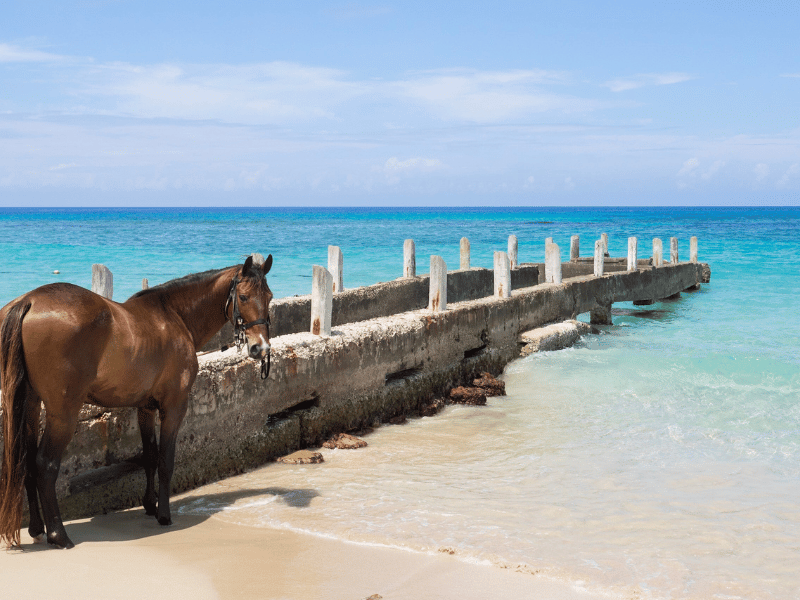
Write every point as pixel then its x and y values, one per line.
pixel 512 251
pixel 409 259
pixel 673 250
pixel 464 247
pixel 693 249
pixel 632 253
pixel 502 275
pixel 102 281
pixel 437 294
pixel 321 301
pixel 604 239
pixel 658 252
pixel 574 247
pixel 335 266
pixel 145 283
pixel 599 258
pixel 552 263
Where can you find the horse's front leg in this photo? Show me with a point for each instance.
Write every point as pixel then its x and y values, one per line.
pixel 171 419
pixel 147 427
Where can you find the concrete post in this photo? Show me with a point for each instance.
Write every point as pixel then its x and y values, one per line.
pixel 335 266
pixel 502 275
pixel 604 238
pixel 145 284
pixel 512 251
pixel 693 249
pixel 552 263
pixel 658 252
pixel 574 247
pixel 673 250
pixel 409 259
pixel 632 253
pixel 600 313
pixel 599 258
pixel 437 294
pixel 321 301
pixel 102 281
pixel 464 265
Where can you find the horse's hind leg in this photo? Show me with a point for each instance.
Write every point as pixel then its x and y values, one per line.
pixel 58 431
pixel 170 421
pixel 147 427
pixel 35 525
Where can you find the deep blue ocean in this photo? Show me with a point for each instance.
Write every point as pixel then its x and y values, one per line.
pixel 659 458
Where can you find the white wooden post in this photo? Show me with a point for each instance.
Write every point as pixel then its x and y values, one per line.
pixel 633 244
pixel 502 275
pixel 335 266
pixel 321 301
pixel 437 293
pixel 552 263
pixel 409 259
pixel 512 251
pixel 673 250
pixel 599 258
pixel 693 249
pixel 604 238
pixel 145 284
pixel 464 247
pixel 658 252
pixel 574 247
pixel 102 281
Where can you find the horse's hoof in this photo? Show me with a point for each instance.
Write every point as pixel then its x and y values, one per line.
pixel 60 540
pixel 39 539
pixel 164 521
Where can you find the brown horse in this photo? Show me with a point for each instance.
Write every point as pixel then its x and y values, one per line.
pixel 63 345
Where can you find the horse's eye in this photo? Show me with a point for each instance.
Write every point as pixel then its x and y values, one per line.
pixel 242 297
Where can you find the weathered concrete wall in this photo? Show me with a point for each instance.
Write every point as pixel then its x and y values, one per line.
pixel 293 315
pixel 367 371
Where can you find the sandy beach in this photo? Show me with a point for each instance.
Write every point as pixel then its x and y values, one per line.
pixel 126 555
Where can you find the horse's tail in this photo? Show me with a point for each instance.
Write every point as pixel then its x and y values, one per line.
pixel 12 379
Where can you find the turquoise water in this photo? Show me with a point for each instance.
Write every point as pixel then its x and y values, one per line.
pixel 659 457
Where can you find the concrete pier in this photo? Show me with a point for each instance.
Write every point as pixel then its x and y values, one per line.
pixel 389 355
pixel 673 251
pixel 632 250
pixel 464 254
pixel 437 296
pixel 658 252
pixel 552 263
pixel 502 275
pixel 574 247
pixel 335 266
pixel 321 301
pixel 512 251
pixel 409 259
pixel 599 258
pixel 693 249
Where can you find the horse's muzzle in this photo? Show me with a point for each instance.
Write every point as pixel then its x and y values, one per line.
pixel 259 350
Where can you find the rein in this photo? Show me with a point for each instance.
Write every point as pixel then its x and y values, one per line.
pixel 240 327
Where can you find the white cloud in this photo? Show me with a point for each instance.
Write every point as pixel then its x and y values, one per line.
pixel 689 167
pixel 712 170
pixel 643 79
pixel 394 168
pixel 761 170
pixel 9 53
pixel 790 174
pixel 793 75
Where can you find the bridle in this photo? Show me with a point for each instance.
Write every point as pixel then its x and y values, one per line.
pixel 240 327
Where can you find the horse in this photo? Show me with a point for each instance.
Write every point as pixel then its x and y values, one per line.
pixel 62 346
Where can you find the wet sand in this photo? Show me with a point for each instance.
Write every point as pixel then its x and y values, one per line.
pixel 127 555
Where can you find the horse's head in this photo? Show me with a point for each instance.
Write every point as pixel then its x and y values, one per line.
pixel 248 306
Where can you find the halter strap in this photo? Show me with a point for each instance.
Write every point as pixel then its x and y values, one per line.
pixel 240 327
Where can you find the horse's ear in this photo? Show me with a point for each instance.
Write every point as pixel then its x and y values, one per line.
pixel 248 264
pixel 267 265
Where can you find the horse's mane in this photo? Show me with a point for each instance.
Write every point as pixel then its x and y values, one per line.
pixel 180 282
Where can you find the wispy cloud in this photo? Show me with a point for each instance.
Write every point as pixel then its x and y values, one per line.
pixel 623 84
pixel 794 75
pixel 10 54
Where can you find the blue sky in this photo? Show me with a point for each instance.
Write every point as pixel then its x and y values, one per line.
pixel 125 102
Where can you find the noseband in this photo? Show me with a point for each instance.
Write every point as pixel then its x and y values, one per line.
pixel 240 327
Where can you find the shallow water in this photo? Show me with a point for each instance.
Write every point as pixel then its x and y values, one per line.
pixel 661 455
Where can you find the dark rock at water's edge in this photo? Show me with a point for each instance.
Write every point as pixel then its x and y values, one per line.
pixel 490 385
pixel 344 441
pixel 467 395
pixel 433 407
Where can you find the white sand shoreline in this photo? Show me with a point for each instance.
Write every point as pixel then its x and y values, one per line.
pixel 126 555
